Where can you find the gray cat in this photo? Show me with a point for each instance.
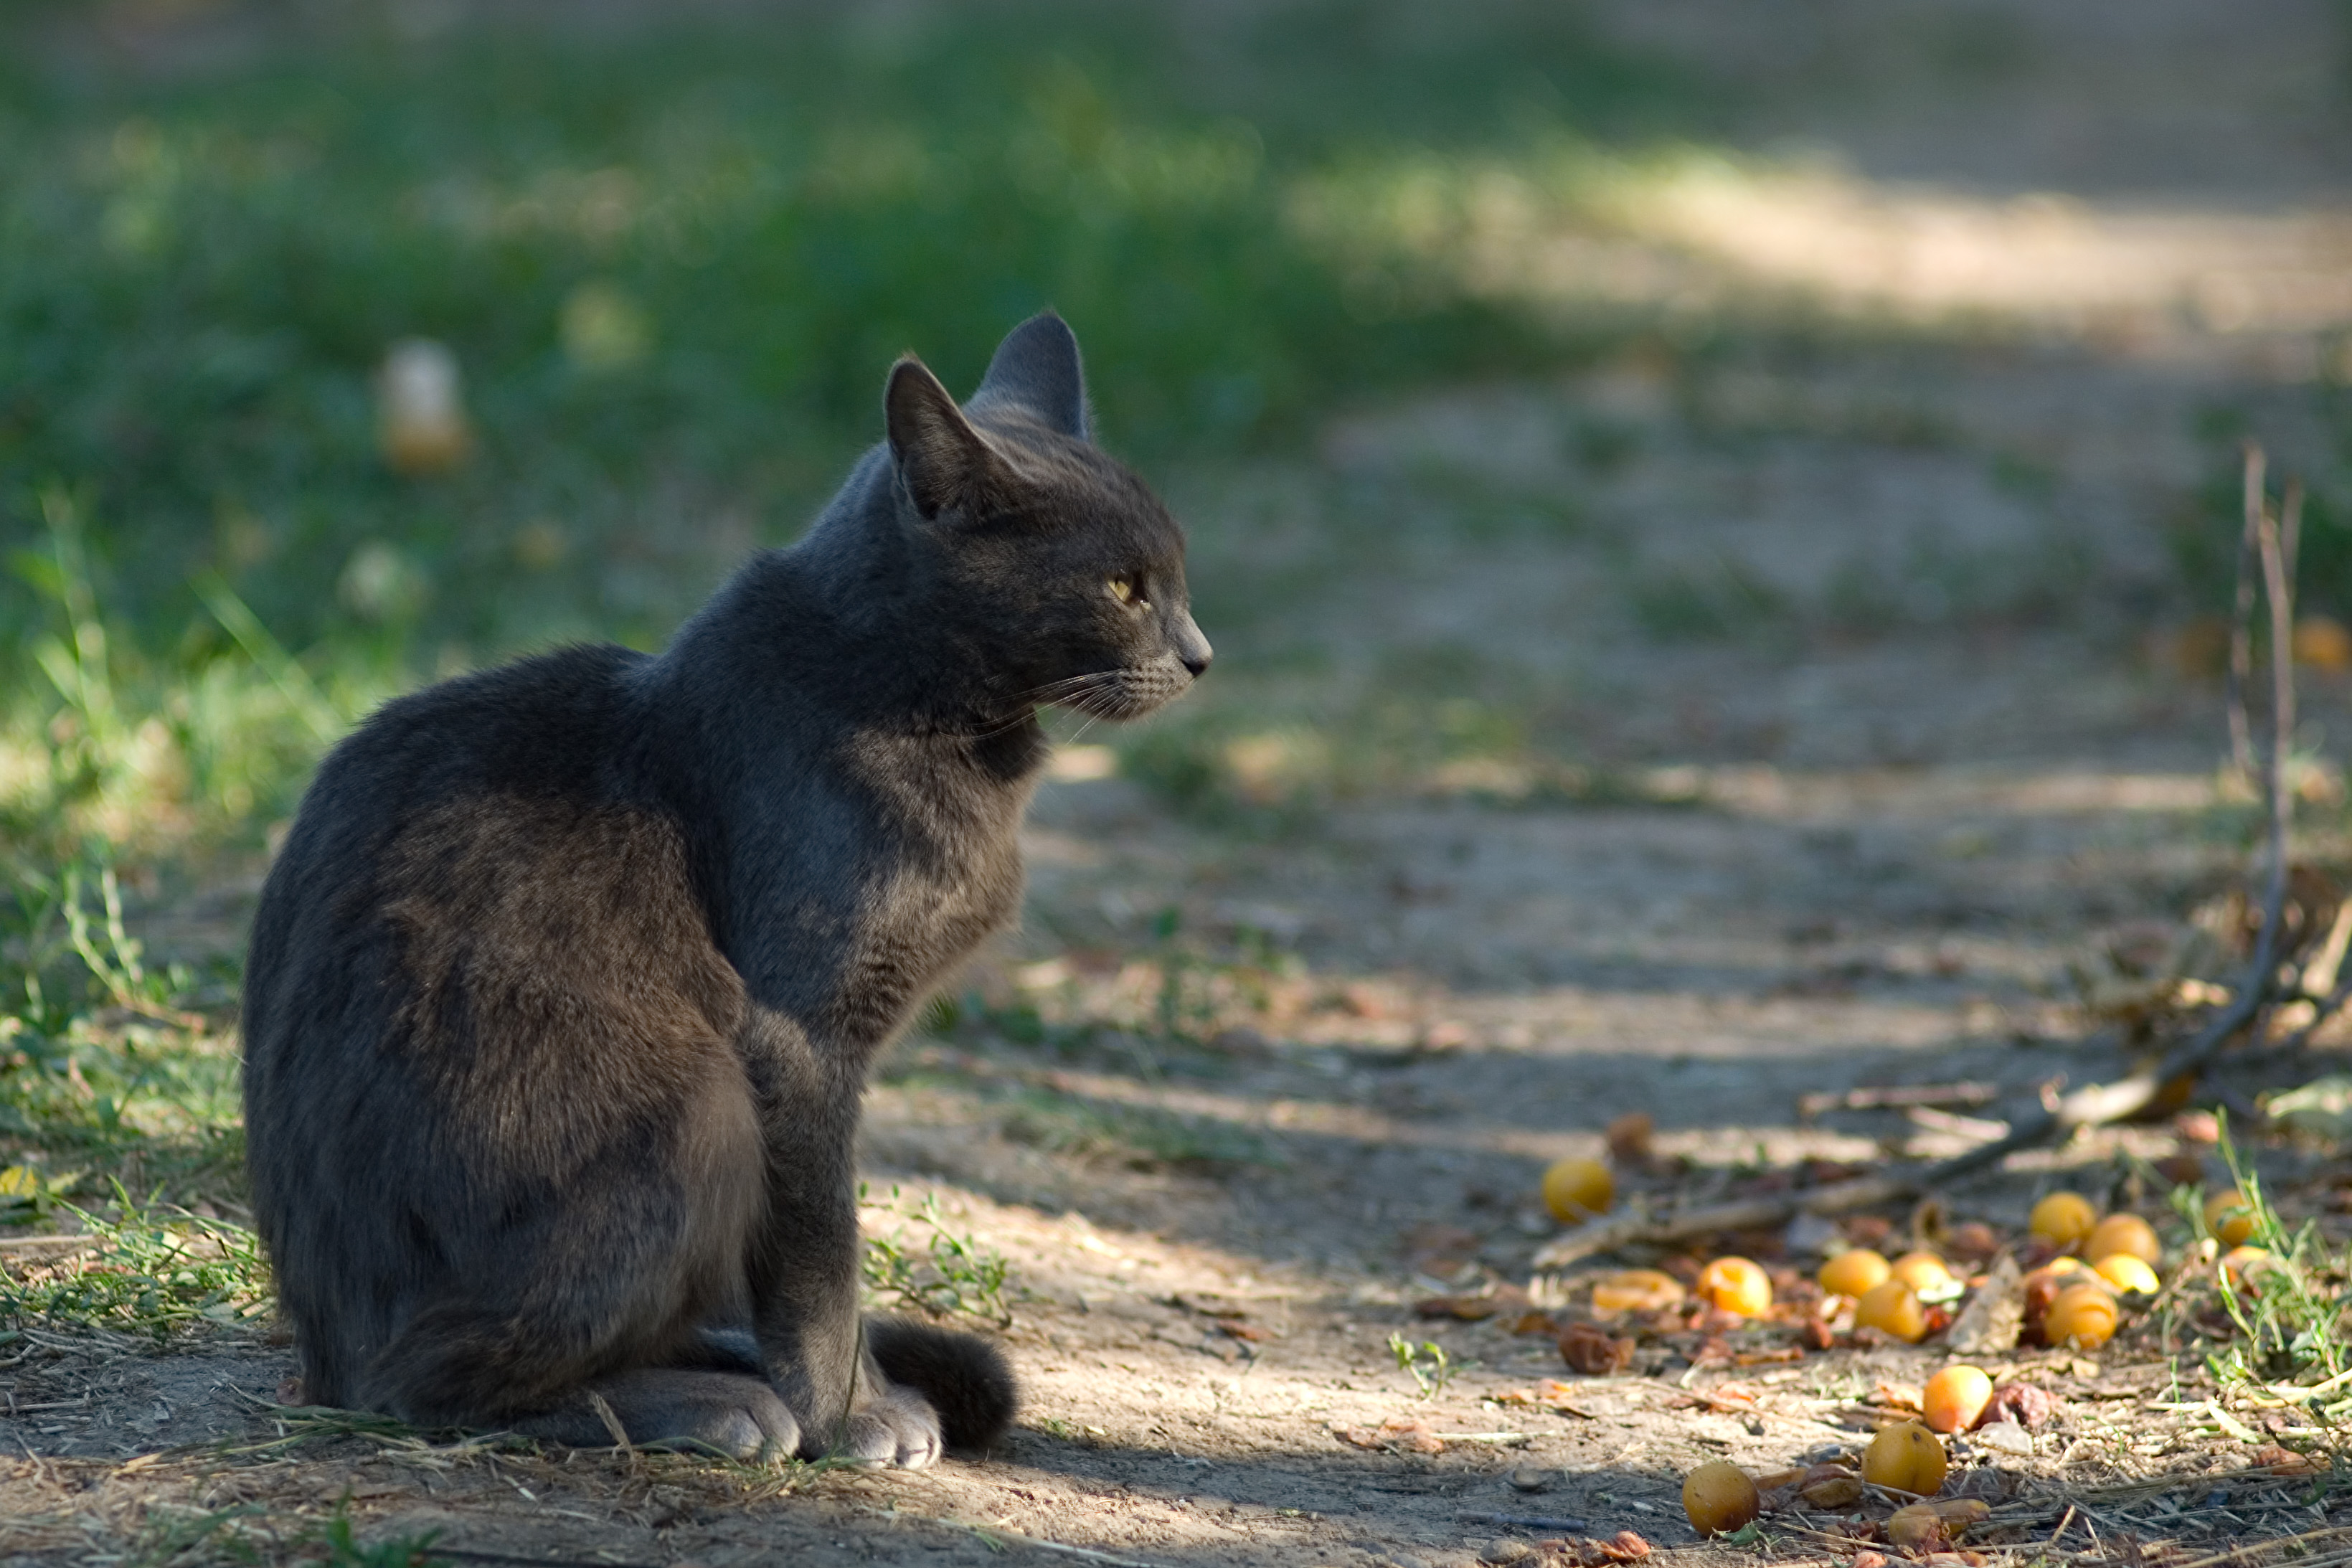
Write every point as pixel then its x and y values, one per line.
pixel 565 988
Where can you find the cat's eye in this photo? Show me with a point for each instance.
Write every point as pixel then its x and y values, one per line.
pixel 1126 590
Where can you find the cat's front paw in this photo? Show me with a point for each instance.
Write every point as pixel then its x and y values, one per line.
pixel 900 1428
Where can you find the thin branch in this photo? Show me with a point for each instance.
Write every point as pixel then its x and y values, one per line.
pixel 2242 618
pixel 1875 1096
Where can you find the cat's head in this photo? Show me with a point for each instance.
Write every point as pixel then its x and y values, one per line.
pixel 1050 563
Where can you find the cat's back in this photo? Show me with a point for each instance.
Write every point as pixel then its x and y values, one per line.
pixel 552 727
pixel 484 842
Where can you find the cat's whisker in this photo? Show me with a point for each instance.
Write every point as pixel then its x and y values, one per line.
pixel 1065 689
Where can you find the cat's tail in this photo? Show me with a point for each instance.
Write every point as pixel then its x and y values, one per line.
pixel 966 1378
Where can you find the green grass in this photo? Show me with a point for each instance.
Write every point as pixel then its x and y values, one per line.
pixel 1427 1363
pixel 2290 1321
pixel 948 1273
pixel 675 261
pixel 147 1270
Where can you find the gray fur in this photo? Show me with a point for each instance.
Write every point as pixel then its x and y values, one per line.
pixel 564 989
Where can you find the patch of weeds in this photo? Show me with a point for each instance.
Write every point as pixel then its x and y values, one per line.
pixel 150 1271
pixel 2287 1310
pixel 1605 446
pixel 2027 479
pixel 2203 534
pixel 340 1547
pixel 948 1274
pixel 1717 595
pixel 1935 585
pixel 1427 1363
pixel 177 1538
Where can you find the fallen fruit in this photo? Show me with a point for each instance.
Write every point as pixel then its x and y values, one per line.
pixel 2229 1218
pixel 1955 1397
pixel 2024 1405
pixel 2083 1316
pixel 2246 1267
pixel 2128 1274
pixel 1637 1291
pixel 1923 1272
pixel 2043 1285
pixel 1623 1547
pixel 1735 1284
pixel 1852 1271
pixel 421 412
pixel 2323 644
pixel 2063 1217
pixel 1892 1308
pixel 1576 1189
pixel 2127 1234
pixel 1905 1457
pixel 1719 1498
pixel 1594 1351
pixel 1830 1487
pixel 1973 1241
pixel 1927 1525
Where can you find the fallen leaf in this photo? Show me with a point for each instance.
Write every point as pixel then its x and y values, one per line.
pixel 1468 1309
pixel 2281 1461
pixel 1917 1527
pixel 1830 1487
pixel 1900 1395
pixel 1623 1547
pixel 1926 1526
pixel 1548 1393
pixel 1995 1315
pixel 1629 1138
pixel 1398 1433
pixel 1251 1333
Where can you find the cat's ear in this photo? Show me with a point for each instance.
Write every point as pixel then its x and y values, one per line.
pixel 1037 368
pixel 941 460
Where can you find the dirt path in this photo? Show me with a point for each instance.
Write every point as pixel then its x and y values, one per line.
pixel 1849 857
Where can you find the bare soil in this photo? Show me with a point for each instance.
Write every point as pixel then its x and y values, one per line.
pixel 1874 851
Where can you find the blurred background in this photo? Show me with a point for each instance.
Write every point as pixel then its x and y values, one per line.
pixel 1682 322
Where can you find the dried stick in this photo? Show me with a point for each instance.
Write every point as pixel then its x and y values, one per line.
pixel 2097 1103
pixel 2242 618
pixel 1875 1097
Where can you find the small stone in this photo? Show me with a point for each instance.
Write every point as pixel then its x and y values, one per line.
pixel 1529 1479
pixel 1506 1550
pixel 2003 1438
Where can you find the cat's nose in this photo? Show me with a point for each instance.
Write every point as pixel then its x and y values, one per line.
pixel 1191 648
